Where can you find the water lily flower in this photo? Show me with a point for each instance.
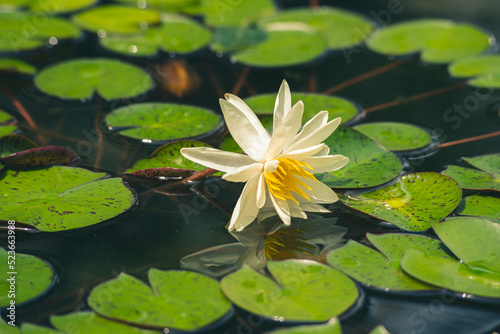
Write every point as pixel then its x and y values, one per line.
pixel 278 169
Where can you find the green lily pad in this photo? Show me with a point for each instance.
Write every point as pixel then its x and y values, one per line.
pixel 8 329
pixel 340 28
pixel 20 34
pixel 16 66
pixel 169 155
pixel 489 163
pixel 263 104
pixel 164 5
pixel 472 178
pixel 15 143
pixel 32 276
pixel 82 78
pixel 381 268
pixel 62 198
pixel 163 121
pixel 6 121
pixel 50 7
pixel 437 40
pixel 177 34
pixel 450 274
pixel 235 13
pixel 229 39
pixel 412 203
pixel 380 330
pixel 484 71
pixel 396 136
pixel 111 19
pixel 176 299
pixel 331 327
pixel 301 290
pixel 474 241
pixel 297 44
pixel 370 164
pixel 482 206
pixel 27 328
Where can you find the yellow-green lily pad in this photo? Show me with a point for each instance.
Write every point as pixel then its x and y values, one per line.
pixel 380 269
pixel 49 6
pixel 12 65
pixel 331 327
pixel 483 71
pixel 235 13
pixel 370 164
pixel 177 6
pixel 6 123
pixel 112 19
pixel 82 78
pixel 437 40
pixel 62 198
pixel 297 44
pixel 396 136
pixel 412 202
pixel 177 300
pixel 482 206
pixel 23 277
pixel 176 34
pixel 163 121
pixel 20 34
pixel 340 28
pixel 299 290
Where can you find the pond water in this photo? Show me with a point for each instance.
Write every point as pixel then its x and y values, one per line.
pixel 161 229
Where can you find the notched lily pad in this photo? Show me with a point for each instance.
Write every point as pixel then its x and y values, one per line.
pixel 11 65
pixel 169 155
pixel 176 35
pixel 31 275
pixel 62 198
pixel 82 78
pixel 370 164
pixel 340 28
pixel 483 71
pixel 163 121
pixel 112 19
pixel 412 202
pixel 229 39
pixel 487 178
pixel 437 40
pixel 20 31
pixel 301 290
pixel 297 44
pixel 41 156
pixel 178 300
pixel 380 269
pixel 477 269
pixel 396 136
pixel 487 207
pixel 235 14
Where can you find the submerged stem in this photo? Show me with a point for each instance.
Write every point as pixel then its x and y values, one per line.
pixel 468 140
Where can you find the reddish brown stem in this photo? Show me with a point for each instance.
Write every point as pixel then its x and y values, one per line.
pixel 415 97
pixel 241 80
pixel 365 76
pixel 49 134
pixel 313 3
pixel 468 140
pixel 215 81
pixel 313 81
pixel 215 202
pixel 250 89
pixel 195 177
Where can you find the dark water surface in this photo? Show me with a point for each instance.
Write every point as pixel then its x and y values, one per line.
pixel 156 234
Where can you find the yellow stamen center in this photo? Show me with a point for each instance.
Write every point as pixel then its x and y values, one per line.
pixel 283 181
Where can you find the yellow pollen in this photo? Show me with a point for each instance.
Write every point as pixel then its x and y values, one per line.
pixel 283 181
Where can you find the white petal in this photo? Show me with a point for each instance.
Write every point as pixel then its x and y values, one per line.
pixel 305 152
pixel 282 208
pixel 246 209
pixel 313 207
pixel 282 105
pixel 323 151
pixel 320 192
pixel 245 127
pixel 245 173
pixel 315 137
pixel 296 210
pixel 217 159
pixel 261 191
pixel 314 123
pixel 286 131
pixel 326 163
